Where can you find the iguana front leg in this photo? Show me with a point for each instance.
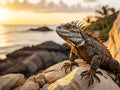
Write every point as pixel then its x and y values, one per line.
pixel 95 62
pixel 71 63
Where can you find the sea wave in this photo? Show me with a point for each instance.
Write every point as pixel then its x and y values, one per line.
pixel 8 29
pixel 10 32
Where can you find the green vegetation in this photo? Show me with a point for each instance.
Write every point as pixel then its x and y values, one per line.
pixel 104 33
pixel 103 22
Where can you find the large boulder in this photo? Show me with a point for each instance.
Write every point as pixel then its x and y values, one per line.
pixel 34 59
pixel 114 39
pixel 73 82
pixel 55 79
pixel 11 81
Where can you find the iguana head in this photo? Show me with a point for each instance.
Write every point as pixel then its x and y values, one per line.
pixel 71 33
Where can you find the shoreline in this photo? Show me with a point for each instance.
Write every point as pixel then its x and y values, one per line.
pixel 17 48
pixel 12 37
pixel 30 60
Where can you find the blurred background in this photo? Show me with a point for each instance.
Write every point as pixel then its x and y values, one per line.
pixel 19 20
pixel 29 44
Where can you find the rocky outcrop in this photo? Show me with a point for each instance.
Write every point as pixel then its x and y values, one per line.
pixel 34 59
pixel 114 39
pixel 55 79
pixel 11 81
pixel 43 29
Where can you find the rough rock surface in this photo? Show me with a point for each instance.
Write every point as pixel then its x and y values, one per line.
pixel 55 79
pixel 31 60
pixel 73 82
pixel 114 39
pixel 30 86
pixel 11 81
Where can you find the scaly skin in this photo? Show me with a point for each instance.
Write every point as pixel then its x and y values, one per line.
pixel 89 48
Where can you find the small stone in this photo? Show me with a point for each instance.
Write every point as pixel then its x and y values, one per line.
pixel 40 79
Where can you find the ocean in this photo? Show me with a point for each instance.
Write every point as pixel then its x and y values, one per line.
pixel 13 37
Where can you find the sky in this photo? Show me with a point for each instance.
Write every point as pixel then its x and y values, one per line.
pixel 35 12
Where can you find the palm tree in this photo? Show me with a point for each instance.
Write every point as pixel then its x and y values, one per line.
pixel 104 11
pixel 112 10
pixel 104 20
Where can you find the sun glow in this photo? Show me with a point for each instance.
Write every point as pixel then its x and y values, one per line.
pixel 3 14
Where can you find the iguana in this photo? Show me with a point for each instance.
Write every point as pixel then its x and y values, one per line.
pixel 88 47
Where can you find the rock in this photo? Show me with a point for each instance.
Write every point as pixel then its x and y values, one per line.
pixel 49 45
pixel 44 29
pixel 11 81
pixel 40 79
pixel 19 66
pixel 33 59
pixel 5 64
pixel 45 78
pixel 31 66
pixel 34 82
pixel 73 82
pixel 18 88
pixel 44 87
pixel 45 55
pixel 114 41
pixel 18 53
pixel 55 79
pixel 60 56
pixel 58 80
pixel 54 73
pixel 30 86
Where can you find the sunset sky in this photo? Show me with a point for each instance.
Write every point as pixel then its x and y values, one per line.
pixel 49 11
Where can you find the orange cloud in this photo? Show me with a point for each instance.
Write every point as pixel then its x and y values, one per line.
pixel 43 6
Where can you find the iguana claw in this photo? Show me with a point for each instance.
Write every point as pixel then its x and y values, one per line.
pixel 91 74
pixel 67 65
